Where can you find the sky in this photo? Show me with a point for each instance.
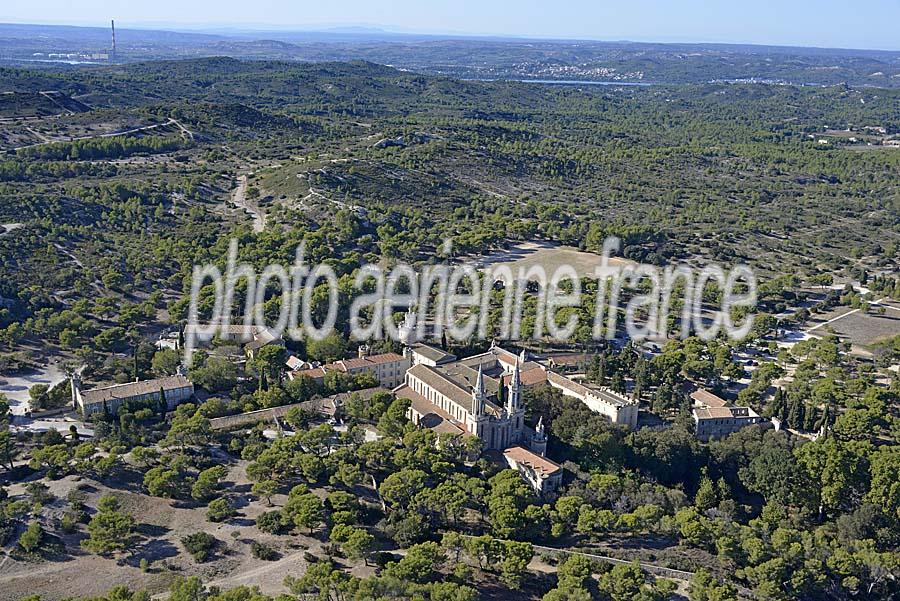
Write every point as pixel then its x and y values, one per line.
pixel 871 24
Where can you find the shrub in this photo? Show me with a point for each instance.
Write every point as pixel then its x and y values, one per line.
pixel 264 552
pixel 68 523
pixel 271 522
pixel 200 545
pixel 219 510
pixel 30 540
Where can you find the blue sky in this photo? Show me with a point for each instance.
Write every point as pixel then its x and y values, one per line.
pixel 829 23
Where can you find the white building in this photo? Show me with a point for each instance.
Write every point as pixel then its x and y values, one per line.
pixel 388 368
pixel 176 389
pixel 444 392
pixel 619 409
pixel 544 476
pixel 469 397
pixel 714 418
pixel 428 355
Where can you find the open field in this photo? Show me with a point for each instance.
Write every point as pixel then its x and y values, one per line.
pixel 161 524
pixel 865 329
pixel 548 255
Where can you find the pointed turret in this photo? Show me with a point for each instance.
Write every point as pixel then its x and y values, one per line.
pixel 478 393
pixel 515 390
pixel 539 440
pixel 407 330
pixel 539 430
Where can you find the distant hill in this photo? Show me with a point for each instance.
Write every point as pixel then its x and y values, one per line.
pixel 475 57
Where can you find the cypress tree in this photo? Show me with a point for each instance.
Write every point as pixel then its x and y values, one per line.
pixel 601 370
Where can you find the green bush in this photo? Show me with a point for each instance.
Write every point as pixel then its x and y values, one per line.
pixel 271 522
pixel 219 510
pixel 264 552
pixel 200 545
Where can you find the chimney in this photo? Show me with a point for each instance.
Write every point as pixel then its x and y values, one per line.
pixel 113 25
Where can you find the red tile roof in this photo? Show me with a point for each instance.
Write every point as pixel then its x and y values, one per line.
pixel 542 466
pixel 705 397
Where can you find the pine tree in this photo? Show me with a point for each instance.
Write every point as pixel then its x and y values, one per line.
pixel 810 415
pixel 601 370
pixel 618 383
pixel 706 497
pixel 779 407
pixel 794 412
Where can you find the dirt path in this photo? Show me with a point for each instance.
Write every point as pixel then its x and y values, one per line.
pixel 96 283
pixel 240 200
pixel 184 131
pixel 269 577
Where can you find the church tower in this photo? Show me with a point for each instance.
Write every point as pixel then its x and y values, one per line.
pixel 539 440
pixel 407 329
pixel 479 396
pixel 515 410
pixel 478 420
pixel 514 398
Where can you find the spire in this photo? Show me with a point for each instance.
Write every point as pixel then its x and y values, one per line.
pixel 515 383
pixel 515 390
pixel 479 382
pixel 539 429
pixel 407 330
pixel 478 394
pixel 539 440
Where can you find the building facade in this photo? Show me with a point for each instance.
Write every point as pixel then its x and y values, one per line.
pixel 107 399
pixel 469 397
pixel 544 476
pixel 389 369
pixel 715 418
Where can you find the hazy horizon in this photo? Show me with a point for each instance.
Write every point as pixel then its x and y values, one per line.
pixel 825 24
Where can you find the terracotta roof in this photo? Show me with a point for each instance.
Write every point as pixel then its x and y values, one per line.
pixel 432 353
pixel 724 413
pixel 542 466
pixel 358 362
pixel 132 389
pixel 316 373
pixel 264 337
pixel 568 358
pixel 528 377
pixel 433 417
pixel 708 399
pixel 295 363
pixel 443 385
pixel 495 353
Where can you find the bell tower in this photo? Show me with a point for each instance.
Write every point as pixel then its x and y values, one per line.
pixel 539 440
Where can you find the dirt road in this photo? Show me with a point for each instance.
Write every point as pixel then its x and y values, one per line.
pixel 240 200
